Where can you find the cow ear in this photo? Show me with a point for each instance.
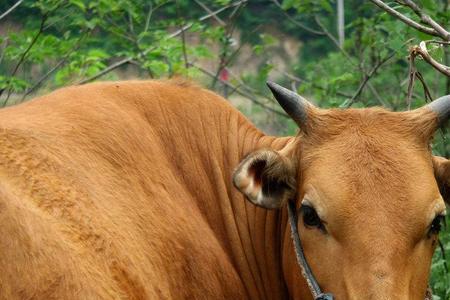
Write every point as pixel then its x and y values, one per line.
pixel 442 172
pixel 266 178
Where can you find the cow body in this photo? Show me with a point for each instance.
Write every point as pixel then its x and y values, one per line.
pixel 123 190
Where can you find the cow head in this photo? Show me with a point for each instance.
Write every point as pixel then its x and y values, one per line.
pixel 369 193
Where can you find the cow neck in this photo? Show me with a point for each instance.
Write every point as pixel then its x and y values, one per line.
pixel 214 141
pixel 261 231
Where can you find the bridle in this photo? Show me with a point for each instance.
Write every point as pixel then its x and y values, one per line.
pixel 304 267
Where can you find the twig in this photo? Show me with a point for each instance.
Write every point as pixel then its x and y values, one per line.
pixel 223 61
pixel 245 94
pixel 377 96
pixel 437 42
pixel 149 16
pixel 206 8
pixel 412 78
pixel 404 19
pixel 176 33
pixel 444 34
pixel 183 37
pixel 367 77
pixel 293 21
pixel 423 52
pixel 314 85
pixel 333 39
pixel 56 67
pixel 130 22
pixel 11 9
pixel 4 45
pixel 24 54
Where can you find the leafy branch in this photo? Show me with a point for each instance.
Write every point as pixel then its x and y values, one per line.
pixel 435 29
pixel 128 60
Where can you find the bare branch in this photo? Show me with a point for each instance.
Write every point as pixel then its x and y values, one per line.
pixel 423 52
pixel 56 67
pixel 292 20
pixel 183 37
pixel 11 9
pixel 377 96
pixel 333 39
pixel 206 8
pixel 229 30
pixel 444 34
pixel 314 85
pixel 4 45
pixel 247 95
pixel 107 70
pixel 366 79
pixel 24 55
pixel 404 18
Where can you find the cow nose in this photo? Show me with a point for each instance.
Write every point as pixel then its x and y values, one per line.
pixel 375 284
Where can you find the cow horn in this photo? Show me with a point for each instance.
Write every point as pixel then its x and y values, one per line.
pixel 293 104
pixel 441 107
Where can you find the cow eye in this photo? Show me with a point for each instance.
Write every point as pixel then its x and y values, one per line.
pixel 436 225
pixel 311 218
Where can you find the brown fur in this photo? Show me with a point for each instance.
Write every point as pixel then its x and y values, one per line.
pixel 123 190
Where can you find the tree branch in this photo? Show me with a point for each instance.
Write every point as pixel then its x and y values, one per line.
pixel 293 21
pixel 314 85
pixel 23 56
pixel 247 95
pixel 206 8
pixel 56 67
pixel 423 52
pixel 366 79
pixel 404 19
pixel 183 36
pixel 444 34
pixel 11 9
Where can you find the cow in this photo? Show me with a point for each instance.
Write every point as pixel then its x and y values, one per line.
pixel 136 190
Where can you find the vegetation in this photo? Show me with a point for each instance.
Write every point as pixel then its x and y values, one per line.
pixel 392 54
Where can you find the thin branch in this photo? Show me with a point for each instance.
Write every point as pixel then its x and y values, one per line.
pixel 293 21
pixel 437 42
pixel 33 41
pixel 11 9
pixel 444 34
pixel 43 78
pixel 412 79
pixel 130 22
pixel 183 37
pixel 333 39
pixel 223 61
pixel 206 8
pixel 377 96
pixel 24 54
pixel 147 19
pixel 176 33
pixel 4 45
pixel 423 52
pixel 404 19
pixel 107 70
pixel 56 67
pixel 314 85
pixel 366 79
pixel 250 97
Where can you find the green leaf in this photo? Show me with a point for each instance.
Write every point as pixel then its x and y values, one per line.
pixel 79 4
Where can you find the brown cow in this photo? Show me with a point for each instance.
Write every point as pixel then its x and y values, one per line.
pixel 123 191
